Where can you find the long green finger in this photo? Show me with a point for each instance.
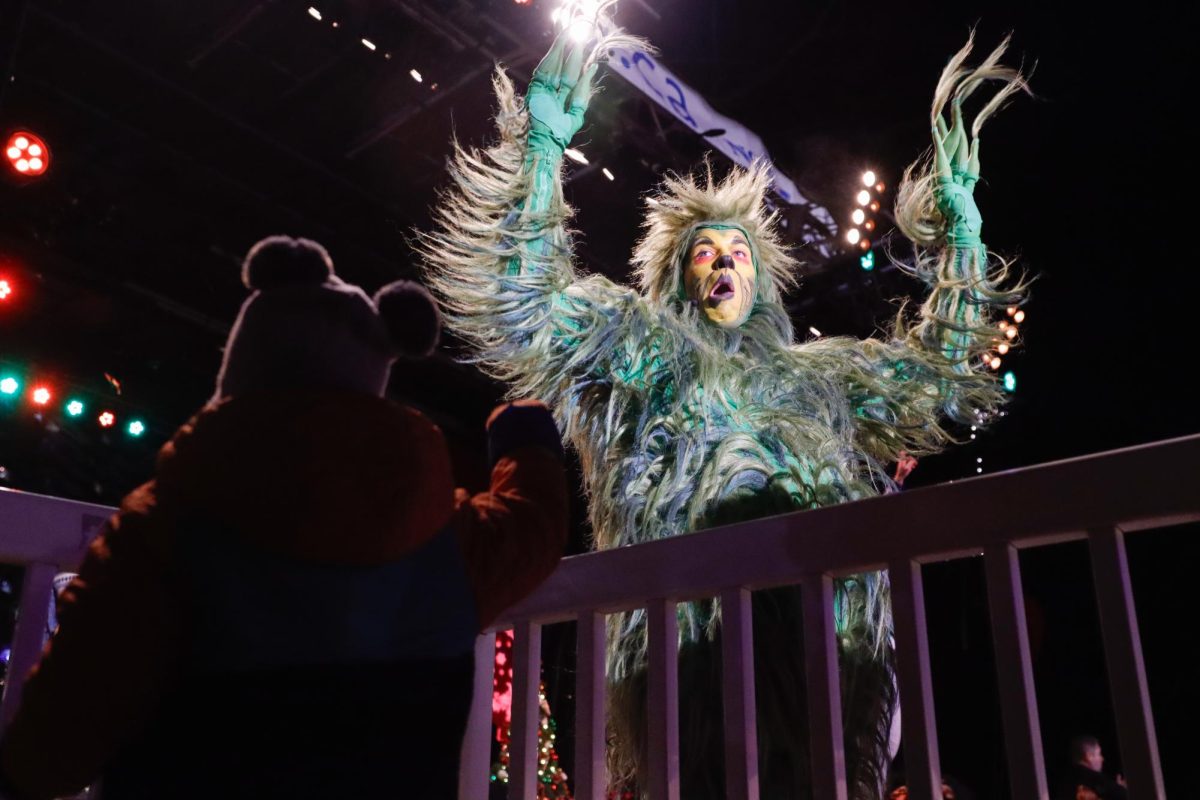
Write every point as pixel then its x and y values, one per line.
pixel 571 72
pixel 960 145
pixel 582 95
pixel 549 69
pixel 973 162
pixel 939 149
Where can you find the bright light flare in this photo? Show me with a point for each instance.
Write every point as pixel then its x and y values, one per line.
pixel 106 419
pixel 75 408
pixel 9 385
pixel 608 174
pixel 136 428
pixel 858 216
pixel 1011 333
pixel 41 395
pixel 868 178
pixel 813 331
pixel 1002 349
pixel 314 13
pixel 853 235
pixel 863 197
pixel 581 29
pixel 367 43
pixel 575 155
pixel 995 362
pixel 1019 316
pixel 416 76
pixel 6 289
pixel 1010 382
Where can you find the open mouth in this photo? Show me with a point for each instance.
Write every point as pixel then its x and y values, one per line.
pixel 722 290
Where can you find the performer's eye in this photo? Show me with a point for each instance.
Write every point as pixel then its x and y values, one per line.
pixel 742 254
pixel 703 254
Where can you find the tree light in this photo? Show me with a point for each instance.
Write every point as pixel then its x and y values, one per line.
pixel 867 260
pixel 1010 381
pixel 1011 333
pixel 1019 316
pixel 1003 348
pixel 106 419
pixel 136 428
pixel 75 408
pixel 995 362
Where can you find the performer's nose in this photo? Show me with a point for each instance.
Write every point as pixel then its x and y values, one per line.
pixel 723 262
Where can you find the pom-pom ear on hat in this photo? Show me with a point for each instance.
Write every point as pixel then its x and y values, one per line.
pixel 283 261
pixel 411 317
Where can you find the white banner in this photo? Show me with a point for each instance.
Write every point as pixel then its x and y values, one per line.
pixel 689 107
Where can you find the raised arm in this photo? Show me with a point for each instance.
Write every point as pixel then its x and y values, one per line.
pixel 500 259
pixel 904 387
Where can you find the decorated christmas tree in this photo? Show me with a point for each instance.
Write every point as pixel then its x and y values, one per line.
pixel 552 778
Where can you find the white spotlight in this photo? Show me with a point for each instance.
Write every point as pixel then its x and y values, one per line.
pixel 581 29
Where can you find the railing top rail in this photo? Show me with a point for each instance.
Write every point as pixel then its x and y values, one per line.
pixel 1135 488
pixel 50 530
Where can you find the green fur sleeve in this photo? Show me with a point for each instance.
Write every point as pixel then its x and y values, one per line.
pixel 500 262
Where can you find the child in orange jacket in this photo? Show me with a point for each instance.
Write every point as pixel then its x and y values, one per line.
pixel 289 608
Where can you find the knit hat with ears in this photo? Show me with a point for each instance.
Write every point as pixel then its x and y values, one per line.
pixel 303 327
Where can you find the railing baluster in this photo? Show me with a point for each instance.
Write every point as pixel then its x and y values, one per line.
pixel 1126 670
pixel 476 760
pixel 918 722
pixel 663 700
pixel 591 778
pixel 824 689
pixel 741 731
pixel 29 636
pixel 526 716
pixel 1014 670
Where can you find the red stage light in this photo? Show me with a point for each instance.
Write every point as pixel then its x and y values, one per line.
pixel 27 153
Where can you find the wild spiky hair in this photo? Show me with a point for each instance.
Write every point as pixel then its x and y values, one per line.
pixel 684 203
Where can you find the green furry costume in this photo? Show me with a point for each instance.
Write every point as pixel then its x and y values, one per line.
pixel 682 425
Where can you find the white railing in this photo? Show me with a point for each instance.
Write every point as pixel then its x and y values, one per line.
pixel 1101 498
pixel 46 535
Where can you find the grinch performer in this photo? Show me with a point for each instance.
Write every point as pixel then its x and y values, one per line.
pixel 691 405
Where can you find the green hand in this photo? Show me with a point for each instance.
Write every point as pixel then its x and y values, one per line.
pixel 957 172
pixel 558 98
